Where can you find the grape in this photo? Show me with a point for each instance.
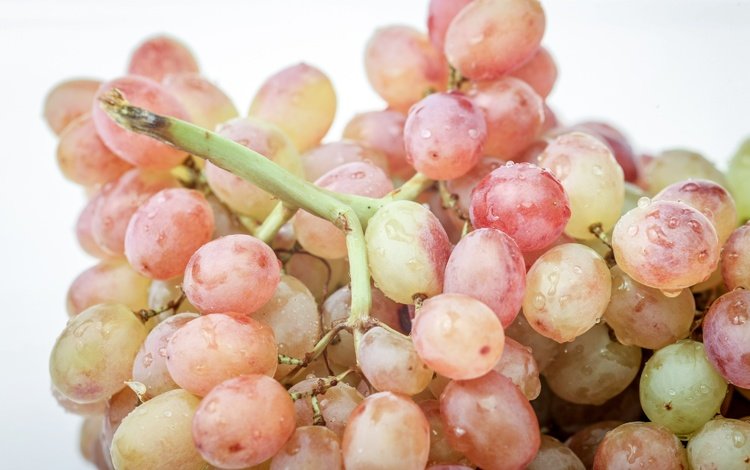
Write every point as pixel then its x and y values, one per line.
pixel 592 180
pixel 457 336
pixel 439 17
pixel 204 102
pixel 444 135
pixel 320 237
pixel 268 140
pixel 514 114
pixel 157 434
pixel 81 409
pixel 160 56
pixel 540 72
pixel 336 404
pixel 440 450
pixel 490 421
pixel 524 201
pixel 161 293
pixel 84 229
pixel 567 290
pixel 88 440
pixel 672 166
pixel 543 349
pixel 487 265
pixel 640 445
pixel 737 177
pixel 150 365
pixel 666 245
pixel 585 442
pixel 417 250
pixel 735 259
pixel 530 257
pixel 449 467
pixel 226 222
pixel 67 101
pixel 321 276
pixel 254 269
pixel 644 316
pixel 118 407
pixel 107 282
pixel 553 454
pixel 386 430
pixel 140 150
pixel 300 99
pixel 216 347
pixel 451 220
pixel 725 335
pixel 401 65
pixel 118 202
pixel 390 363
pixel 720 443
pixel 462 187
pixel 311 448
pixel 93 356
pixel 293 316
pixel 83 157
pixel 619 145
pixel 243 421
pixel 680 388
pixel 518 364
pixel 324 158
pixel 709 198
pixel 382 131
pixel 593 368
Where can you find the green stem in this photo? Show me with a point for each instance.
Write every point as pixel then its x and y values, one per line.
pixel 289 360
pixel 273 223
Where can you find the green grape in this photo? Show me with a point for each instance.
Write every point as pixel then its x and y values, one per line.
pixel 738 175
pixel 721 443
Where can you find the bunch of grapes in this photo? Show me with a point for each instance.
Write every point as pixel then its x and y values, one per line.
pixel 461 281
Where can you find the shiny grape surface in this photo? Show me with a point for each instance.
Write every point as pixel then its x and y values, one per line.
pixel 720 443
pixel 735 259
pixel 160 56
pixel 726 336
pixel 640 445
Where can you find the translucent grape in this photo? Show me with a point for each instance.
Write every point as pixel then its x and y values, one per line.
pixel 390 363
pixel 567 290
pixel 457 336
pixel 118 407
pixel 592 179
pixel 83 157
pixel 726 331
pixel 524 201
pixel 67 101
pixel 444 135
pixel 266 139
pixel 462 187
pixel 320 237
pixel 160 56
pixel 150 364
pixel 514 114
pixel 204 102
pixel 382 131
pixel 407 250
pixel 540 72
pixel 336 404
pixel 161 293
pixel 140 150
pixel 543 349
pixel 324 158
pixel 311 448
pixel 737 177
pixel 254 269
pixel 243 421
pixel 401 65
pixel 386 430
pixel 440 450
pixel 81 409
pixel 84 228
pixel 107 282
pixel 680 389
pixel 640 445
pixel 518 364
pixel 619 145
pixel 585 442
pixel 88 440
pixel 666 245
pixel 720 443
pixel 158 434
pixel 439 17
pixel 212 348
pixel 93 356
pixel 553 454
pixel 672 166
pixel 490 421
pixel 487 265
pixel 735 259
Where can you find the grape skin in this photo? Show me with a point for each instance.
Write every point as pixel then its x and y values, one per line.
pixel 737 176
pixel 640 445
pixel 382 131
pixel 518 364
pixel 439 16
pixel 722 444
pixel 390 362
pixel 554 455
pixel 311 448
pixel 726 332
pixel 324 158
pixel 735 259
pixel 67 101
pixel 540 72
pixel 440 449
pixel 159 56
pixel 206 104
pixel 672 166
pixel 107 282
pixel 336 404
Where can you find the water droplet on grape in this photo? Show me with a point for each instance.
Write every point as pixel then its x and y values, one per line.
pixel 673 222
pixel 644 202
pixel 633 230
pixel 597 170
pixel 473 133
pixel 426 134
pixel 539 301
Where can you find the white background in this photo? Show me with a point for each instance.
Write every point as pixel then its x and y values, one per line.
pixel 668 72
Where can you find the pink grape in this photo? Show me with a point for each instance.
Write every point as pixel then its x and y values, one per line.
pixel 553 454
pixel 543 349
pixel 160 56
pixel 486 264
pixel 514 114
pixel 311 448
pixel 118 407
pixel 382 131
pixel 402 64
pixel 526 202
pixel 107 282
pixel 489 38
pixel 67 101
pixel 645 445
pixel 540 72
pixel 336 404
pixel 518 364
pixel 490 421
pixel 324 158
pixel 666 245
pixel 440 449
pixel 226 222
pixel 139 150
pixel 204 102
pixel 216 347
pixel 462 186
pixel 84 229
pixel 89 443
pixel 457 336
pixel 726 330
pixel 166 230
pixel 439 17
pixel 585 442
pixel 254 269
pixel 243 422
pixel 386 430
pixel 444 135
pixel 83 157
pixel 735 259
pixel 619 145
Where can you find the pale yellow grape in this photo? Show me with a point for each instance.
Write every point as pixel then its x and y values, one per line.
pixel 158 435
pixel 722 444
pixel 518 364
pixel 118 407
pixel 108 282
pixel 88 437
pixel 93 356
pixel 676 165
pixel 80 409
pixel 309 448
pixel 554 455
pixel 738 175
pixel 324 158
pixel 206 103
pixel 390 362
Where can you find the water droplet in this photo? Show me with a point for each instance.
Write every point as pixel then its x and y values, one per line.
pixel 539 301
pixel 644 202
pixel 673 222
pixel 671 293
pixel 702 256
pixel 358 175
pixel 733 255
pixel 148 359
pixel 577 269
pixel 459 431
pixel 426 134
pixel 473 133
pixel 167 414
pixel 672 392
pixel 633 230
pixel 597 170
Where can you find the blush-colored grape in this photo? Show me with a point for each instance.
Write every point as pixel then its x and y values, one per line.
pixel 726 336
pixel 585 442
pixel 542 348
pixel 204 102
pixel 672 166
pixel 108 282
pixel 540 72
pixel 462 187
pixel 440 13
pixel 390 362
pixel 67 101
pixel 720 443
pixel 553 454
pixel 84 229
pixel 640 445
pixel 311 448
pixel 324 158
pixel 518 364
pixel 440 449
pixel 735 259
pixel 336 404
pixel 619 145
pixel 382 131
pixel 160 56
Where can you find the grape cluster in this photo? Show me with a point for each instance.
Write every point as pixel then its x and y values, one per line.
pixel 461 281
